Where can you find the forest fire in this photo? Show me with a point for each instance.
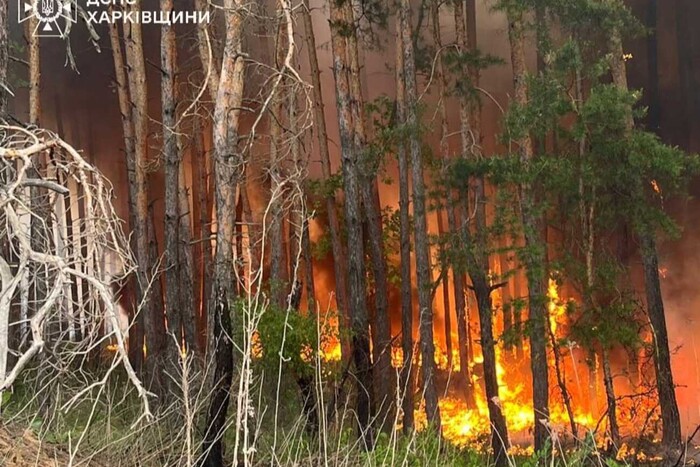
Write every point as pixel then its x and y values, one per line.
pixel 492 226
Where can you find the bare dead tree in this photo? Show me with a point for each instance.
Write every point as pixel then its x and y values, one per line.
pixel 107 249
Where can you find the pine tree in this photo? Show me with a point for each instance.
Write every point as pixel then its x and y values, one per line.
pixel 420 227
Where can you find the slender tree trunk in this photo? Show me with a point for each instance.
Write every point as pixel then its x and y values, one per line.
pixel 172 160
pixel 533 254
pixel 444 154
pixel 420 225
pixel 278 251
pixel 4 57
pixel 200 175
pixel 139 113
pixel 406 381
pixel 372 209
pixel 157 285
pixel 499 431
pixel 671 435
pixel 477 259
pixel 339 257
pixel 7 285
pixel 188 301
pixel 136 331
pixel 561 382
pixel 612 403
pixel 34 71
pixel 464 340
pixel 352 180
pixel 227 172
pixel 41 221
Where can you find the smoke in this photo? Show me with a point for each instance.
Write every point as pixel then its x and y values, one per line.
pixel 83 107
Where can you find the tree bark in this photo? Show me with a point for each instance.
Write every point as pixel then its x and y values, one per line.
pixel 420 229
pixel 670 418
pixel 228 165
pixel 279 280
pixel 339 256
pixel 200 174
pixel 4 57
pixel 188 301
pixel 444 155
pixel 34 71
pixel 612 402
pixel 406 380
pixel 499 431
pixel 533 254
pixel 139 113
pixel 372 210
pixel 136 331
pixel 464 341
pixel 172 159
pixel 352 180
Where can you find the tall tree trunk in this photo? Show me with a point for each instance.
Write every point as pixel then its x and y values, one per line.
pixel 41 221
pixel 427 342
pixel 372 210
pixel 188 302
pixel 670 417
pixel 278 251
pixel 136 330
pixel 499 431
pixel 200 175
pixel 300 255
pixel 4 57
pixel 352 180
pixel 406 381
pixel 671 435
pixel 227 170
pixel 34 71
pixel 534 250
pixel 172 159
pixel 463 333
pixel 339 257
pixel 612 402
pixel 139 113
pixel 444 154
pixel 6 287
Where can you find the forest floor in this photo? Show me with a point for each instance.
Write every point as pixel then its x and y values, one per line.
pixel 22 448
